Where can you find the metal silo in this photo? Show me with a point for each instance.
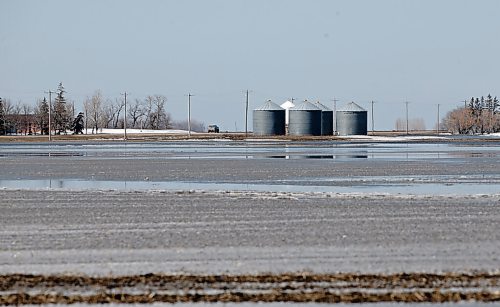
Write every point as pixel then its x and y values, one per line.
pixel 269 119
pixel 352 120
pixel 305 119
pixel 326 119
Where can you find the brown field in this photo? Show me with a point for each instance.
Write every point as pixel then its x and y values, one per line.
pixel 299 288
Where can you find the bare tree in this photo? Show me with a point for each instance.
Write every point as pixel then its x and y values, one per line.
pixel 471 121
pixel 118 107
pixel 26 119
pixel 158 117
pixel 14 112
pixel 148 112
pixel 8 106
pixel 417 124
pixel 400 124
pixel 414 124
pixel 93 110
pixel 136 112
pixel 111 112
pixel 107 116
pixel 160 114
pixel 9 121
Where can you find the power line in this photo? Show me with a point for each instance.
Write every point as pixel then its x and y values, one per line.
pixel 125 117
pixel 334 115
pixel 50 113
pixel 189 114
pixel 373 121
pixel 246 114
pixel 438 119
pixel 406 102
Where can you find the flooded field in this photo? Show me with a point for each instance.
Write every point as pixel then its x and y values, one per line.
pixel 404 168
pixel 240 209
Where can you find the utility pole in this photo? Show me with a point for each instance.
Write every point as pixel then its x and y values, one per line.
pixel 406 102
pixel 125 117
pixel 2 119
pixel 373 122
pixel 246 116
pixel 334 115
pixel 437 128
pixel 189 114
pixel 50 113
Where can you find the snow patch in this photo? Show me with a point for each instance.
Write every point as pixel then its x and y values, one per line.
pixel 139 131
pixel 394 138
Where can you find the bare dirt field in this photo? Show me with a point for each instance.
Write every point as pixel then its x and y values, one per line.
pixel 89 243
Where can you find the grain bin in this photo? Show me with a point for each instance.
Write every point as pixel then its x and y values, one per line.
pixel 269 119
pixel 305 119
pixel 326 119
pixel 352 120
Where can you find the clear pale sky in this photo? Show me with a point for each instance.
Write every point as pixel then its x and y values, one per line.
pixel 426 52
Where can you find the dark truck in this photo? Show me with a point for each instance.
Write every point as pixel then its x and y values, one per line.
pixel 213 129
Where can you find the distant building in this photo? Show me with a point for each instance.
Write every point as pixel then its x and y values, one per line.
pixel 21 124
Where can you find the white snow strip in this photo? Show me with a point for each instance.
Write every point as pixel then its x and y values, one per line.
pixel 393 138
pixel 262 195
pixel 138 131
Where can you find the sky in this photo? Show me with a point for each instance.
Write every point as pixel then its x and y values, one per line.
pixel 426 52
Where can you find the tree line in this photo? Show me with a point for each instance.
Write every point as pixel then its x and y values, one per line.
pixel 479 115
pixel 98 113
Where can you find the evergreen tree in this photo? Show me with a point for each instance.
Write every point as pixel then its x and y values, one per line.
pixel 42 116
pixel 78 124
pixel 61 116
pixel 471 105
pixel 477 106
pixel 2 119
pixel 488 103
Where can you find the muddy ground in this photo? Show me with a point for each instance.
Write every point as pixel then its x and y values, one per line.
pixel 58 234
pixel 296 288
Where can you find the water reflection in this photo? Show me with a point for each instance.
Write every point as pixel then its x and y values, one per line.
pixel 43 154
pixel 375 187
pixel 288 157
pixel 219 150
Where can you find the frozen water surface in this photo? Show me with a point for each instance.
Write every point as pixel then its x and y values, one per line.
pixel 442 168
pixel 128 208
pixel 413 186
pixel 256 150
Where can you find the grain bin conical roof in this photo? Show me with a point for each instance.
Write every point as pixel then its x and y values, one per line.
pixel 287 104
pixel 269 106
pixel 322 106
pixel 351 107
pixel 305 106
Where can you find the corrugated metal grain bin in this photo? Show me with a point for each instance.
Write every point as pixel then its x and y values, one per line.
pixel 352 120
pixel 269 119
pixel 305 119
pixel 326 119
